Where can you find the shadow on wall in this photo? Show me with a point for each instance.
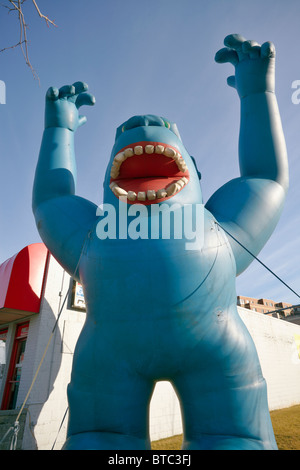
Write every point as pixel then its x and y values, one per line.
pixel 41 419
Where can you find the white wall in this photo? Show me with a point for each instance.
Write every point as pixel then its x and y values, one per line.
pixel 47 402
pixel 165 416
pixel 275 342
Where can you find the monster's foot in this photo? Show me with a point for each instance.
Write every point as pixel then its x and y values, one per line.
pixel 105 441
pixel 207 442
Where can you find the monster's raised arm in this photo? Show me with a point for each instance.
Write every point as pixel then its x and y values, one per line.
pixel 249 207
pixel 63 219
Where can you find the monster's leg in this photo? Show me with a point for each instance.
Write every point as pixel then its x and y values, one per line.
pixel 224 399
pixel 109 409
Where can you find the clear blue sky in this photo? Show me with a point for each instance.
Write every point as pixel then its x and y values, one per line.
pixel 147 57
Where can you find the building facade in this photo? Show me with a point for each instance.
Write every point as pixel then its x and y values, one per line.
pixel 281 310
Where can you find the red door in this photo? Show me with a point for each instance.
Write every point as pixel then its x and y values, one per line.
pixel 15 368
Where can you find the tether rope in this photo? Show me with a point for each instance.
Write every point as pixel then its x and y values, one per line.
pixel 257 259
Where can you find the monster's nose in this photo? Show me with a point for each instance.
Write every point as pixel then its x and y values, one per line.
pixel 146 120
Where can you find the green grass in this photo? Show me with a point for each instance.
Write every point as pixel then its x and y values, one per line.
pixel 286 425
pixel 170 443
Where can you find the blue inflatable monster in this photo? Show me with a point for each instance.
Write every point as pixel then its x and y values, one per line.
pixel 160 304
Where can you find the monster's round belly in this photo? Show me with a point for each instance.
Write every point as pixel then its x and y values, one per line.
pixel 147 278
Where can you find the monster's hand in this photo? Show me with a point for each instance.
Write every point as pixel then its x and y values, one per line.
pixel 62 106
pixel 254 65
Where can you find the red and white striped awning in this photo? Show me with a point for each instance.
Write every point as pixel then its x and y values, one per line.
pixel 21 282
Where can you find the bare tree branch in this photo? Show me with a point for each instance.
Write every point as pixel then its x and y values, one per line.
pixel 43 16
pixel 17 6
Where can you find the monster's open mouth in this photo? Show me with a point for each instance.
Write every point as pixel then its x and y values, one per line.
pixel 148 172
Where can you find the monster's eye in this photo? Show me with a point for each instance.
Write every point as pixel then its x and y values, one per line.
pixel 167 124
pixel 123 128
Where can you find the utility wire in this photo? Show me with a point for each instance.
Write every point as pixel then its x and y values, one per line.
pixel 257 259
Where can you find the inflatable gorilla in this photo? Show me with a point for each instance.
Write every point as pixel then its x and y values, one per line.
pixel 158 308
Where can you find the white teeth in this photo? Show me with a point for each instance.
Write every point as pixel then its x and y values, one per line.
pixel 161 193
pixel 131 195
pixel 138 150
pixel 119 191
pixel 180 183
pixel 169 152
pixel 141 196
pixel 120 157
pixel 159 149
pixel 172 189
pixel 114 173
pixel 181 165
pixel 128 152
pixel 151 194
pixel 149 148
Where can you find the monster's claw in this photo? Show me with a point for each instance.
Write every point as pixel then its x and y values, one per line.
pixel 234 41
pixel 80 87
pixel 268 50
pixel 85 99
pixel 252 62
pixel 226 55
pixel 66 91
pixel 52 93
pixel 62 105
pixel 252 48
pixel 231 81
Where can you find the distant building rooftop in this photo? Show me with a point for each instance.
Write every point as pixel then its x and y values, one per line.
pixel 283 310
